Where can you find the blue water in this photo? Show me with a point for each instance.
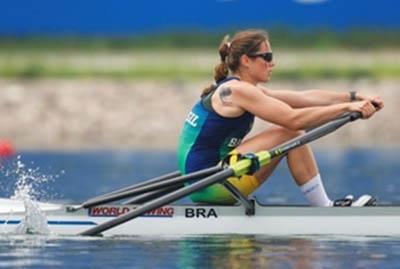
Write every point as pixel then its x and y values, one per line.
pixel 78 176
pixel 82 175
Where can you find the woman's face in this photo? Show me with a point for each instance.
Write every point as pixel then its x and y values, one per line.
pixel 261 65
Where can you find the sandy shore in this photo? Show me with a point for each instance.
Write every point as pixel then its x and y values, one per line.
pixel 51 114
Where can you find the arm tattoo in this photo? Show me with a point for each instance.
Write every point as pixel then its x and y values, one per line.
pixel 224 94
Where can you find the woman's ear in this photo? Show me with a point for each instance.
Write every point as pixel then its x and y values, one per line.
pixel 244 60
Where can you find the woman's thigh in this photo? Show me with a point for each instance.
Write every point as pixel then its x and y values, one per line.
pixel 247 183
pixel 264 141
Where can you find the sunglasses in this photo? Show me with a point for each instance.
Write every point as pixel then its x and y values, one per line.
pixel 267 56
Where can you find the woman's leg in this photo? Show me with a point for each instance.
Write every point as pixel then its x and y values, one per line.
pixel 301 163
pixel 217 194
pixel 300 160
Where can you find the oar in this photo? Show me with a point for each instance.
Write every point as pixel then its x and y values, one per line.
pixel 237 169
pixel 317 132
pixel 140 199
pixel 135 190
pixel 161 201
pixel 142 183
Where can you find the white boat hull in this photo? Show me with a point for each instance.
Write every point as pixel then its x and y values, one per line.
pixel 200 220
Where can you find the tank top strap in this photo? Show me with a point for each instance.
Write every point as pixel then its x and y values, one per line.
pixel 207 99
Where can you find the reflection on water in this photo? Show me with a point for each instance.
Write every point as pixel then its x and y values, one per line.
pixel 200 252
pixel 249 252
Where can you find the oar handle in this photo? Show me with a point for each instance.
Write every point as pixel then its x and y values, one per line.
pixel 355 115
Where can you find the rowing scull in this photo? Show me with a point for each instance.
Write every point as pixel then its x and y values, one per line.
pixel 202 220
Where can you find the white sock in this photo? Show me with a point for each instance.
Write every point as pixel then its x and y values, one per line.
pixel 315 193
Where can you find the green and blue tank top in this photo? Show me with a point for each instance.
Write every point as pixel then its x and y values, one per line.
pixel 208 137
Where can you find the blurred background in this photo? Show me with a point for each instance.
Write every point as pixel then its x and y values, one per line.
pixel 106 85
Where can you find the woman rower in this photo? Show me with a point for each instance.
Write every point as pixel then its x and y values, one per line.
pixel 217 124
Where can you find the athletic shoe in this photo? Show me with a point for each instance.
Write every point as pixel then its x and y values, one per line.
pixel 364 200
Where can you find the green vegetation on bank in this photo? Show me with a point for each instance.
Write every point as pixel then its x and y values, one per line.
pixel 313 55
pixel 280 37
pixel 179 73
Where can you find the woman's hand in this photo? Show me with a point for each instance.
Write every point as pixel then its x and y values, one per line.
pixel 375 100
pixel 365 107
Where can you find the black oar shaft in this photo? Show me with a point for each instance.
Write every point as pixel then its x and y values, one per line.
pixel 140 184
pixel 314 134
pixel 140 199
pixel 151 187
pixel 161 201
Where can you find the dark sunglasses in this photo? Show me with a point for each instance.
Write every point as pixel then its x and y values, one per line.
pixel 267 56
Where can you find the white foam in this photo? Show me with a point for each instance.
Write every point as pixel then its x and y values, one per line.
pixel 34 222
pixel 26 192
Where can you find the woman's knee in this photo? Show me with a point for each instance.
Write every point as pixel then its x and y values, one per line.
pixel 267 139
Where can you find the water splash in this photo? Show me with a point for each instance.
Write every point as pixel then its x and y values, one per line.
pixel 34 221
pixel 30 182
pixel 30 186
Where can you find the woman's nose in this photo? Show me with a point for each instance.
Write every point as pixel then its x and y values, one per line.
pixel 272 63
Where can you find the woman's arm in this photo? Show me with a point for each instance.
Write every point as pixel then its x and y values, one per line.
pixel 252 99
pixel 308 98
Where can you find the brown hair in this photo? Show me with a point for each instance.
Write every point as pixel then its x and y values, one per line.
pixel 242 43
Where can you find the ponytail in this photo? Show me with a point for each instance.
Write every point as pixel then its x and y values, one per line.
pixel 221 71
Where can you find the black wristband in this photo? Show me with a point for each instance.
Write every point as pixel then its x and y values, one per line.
pixel 353 96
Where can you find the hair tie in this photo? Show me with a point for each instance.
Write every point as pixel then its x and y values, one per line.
pixel 228 46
